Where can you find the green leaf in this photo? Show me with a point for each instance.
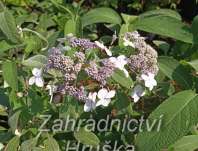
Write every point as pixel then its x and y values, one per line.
pixel 165 25
pixel 162 45
pixel 10 74
pixel 195 30
pixel 178 113
pixel 194 64
pixel 123 104
pixel 19 2
pixel 86 137
pixel 127 27
pixel 70 108
pixel 8 26
pixel 33 44
pixel 74 27
pixel 4 98
pixel 37 102
pixel 13 144
pixel 175 71
pixel 63 8
pixel 186 143
pixel 13 120
pixel 35 61
pixel 15 102
pixel 121 78
pixel 45 21
pixel 2 128
pixel 29 144
pixel 51 144
pixel 163 12
pixel 101 15
pixel 52 39
pixel 4 46
pixel 129 18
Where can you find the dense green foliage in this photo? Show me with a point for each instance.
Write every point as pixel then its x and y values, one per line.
pixel 29 28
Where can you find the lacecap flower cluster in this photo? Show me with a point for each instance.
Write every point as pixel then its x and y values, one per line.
pixel 86 78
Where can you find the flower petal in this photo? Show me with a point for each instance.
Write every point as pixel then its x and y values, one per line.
pixel 103 102
pixel 113 59
pixel 102 93
pixel 150 84
pixel 137 93
pixel 145 77
pixel 87 107
pixel 109 53
pixel 135 97
pixel 32 80
pixel 151 75
pixel 39 82
pixel 92 96
pixel 110 94
pixel 37 72
pixel 139 90
pixel 122 60
pixel 103 47
pixel 126 72
pixel 100 45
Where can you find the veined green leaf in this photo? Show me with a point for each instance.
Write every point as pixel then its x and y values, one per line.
pixel 74 27
pixel 33 44
pixel 35 61
pixel 186 143
pixel 13 144
pixel 13 120
pixel 10 74
pixel 194 64
pixel 175 71
pixel 19 2
pixel 101 15
pixel 129 18
pixel 179 113
pixel 164 24
pixel 121 78
pixel 163 12
pixel 51 144
pixel 8 26
pixel 29 144
pixel 195 30
pixel 86 137
pixel 4 46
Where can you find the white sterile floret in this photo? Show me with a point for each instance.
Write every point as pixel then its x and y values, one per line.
pixel 149 80
pixel 104 97
pixel 90 104
pixel 103 47
pixel 128 43
pixel 36 78
pixel 120 62
pixel 137 93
